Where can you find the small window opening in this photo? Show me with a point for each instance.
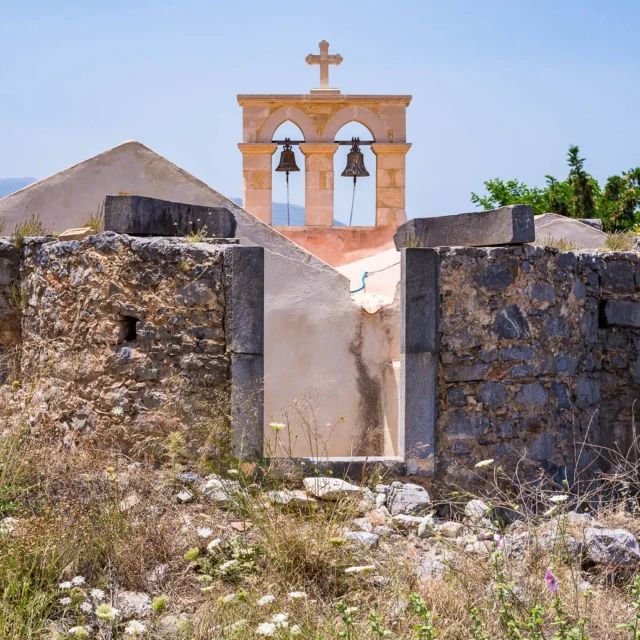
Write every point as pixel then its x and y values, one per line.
pixel 128 328
pixel 602 315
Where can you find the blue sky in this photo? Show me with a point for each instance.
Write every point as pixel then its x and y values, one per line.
pixel 499 88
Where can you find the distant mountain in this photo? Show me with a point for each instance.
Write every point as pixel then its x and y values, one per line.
pixel 279 214
pixel 10 185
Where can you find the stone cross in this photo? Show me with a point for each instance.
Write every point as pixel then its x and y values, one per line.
pixel 324 60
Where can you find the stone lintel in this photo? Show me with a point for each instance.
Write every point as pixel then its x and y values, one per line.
pixel 142 216
pixel 267 98
pixel 318 147
pixel 507 225
pixel 390 147
pixel 251 148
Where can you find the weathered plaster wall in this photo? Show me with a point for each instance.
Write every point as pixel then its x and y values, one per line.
pixel 538 353
pixel 124 328
pixel 310 320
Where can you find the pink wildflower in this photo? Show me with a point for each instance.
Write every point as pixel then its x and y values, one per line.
pixel 551 580
pixel 497 538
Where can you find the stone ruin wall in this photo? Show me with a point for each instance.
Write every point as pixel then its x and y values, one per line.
pixel 131 332
pixel 539 351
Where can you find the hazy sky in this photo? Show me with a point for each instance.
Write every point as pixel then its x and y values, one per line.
pixel 499 88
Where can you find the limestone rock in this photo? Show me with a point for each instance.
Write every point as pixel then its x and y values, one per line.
pixel 76 234
pixel 133 604
pixel 409 499
pixel 612 547
pixel 364 524
pixel 449 529
pixel 476 509
pixel 219 490
pixel 184 496
pixel 404 522
pixel 363 537
pixel 330 488
pixel 294 498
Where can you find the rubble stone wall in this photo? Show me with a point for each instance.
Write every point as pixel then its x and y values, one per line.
pixel 126 327
pixel 539 351
pixel 9 307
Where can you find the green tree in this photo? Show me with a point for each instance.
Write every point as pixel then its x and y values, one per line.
pixel 578 196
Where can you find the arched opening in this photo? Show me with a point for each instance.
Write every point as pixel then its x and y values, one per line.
pixel 296 181
pixel 364 209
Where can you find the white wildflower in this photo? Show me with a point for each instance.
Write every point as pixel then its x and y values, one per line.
pixel 213 544
pixel 230 598
pixel 86 607
pixel 78 581
pixel 559 498
pixel 295 630
pixel 364 569
pixel 266 629
pixel 277 426
pixel 97 594
pixel 484 463
pixel 107 612
pixel 280 620
pixel 80 633
pixel 265 600
pixel 232 472
pixel 65 585
pixel 297 595
pixel 350 610
pixel 238 625
pixel 205 532
pixel 135 628
pixel 550 512
pixel 227 565
pixel 65 602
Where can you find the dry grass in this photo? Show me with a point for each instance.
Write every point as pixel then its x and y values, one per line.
pixel 620 241
pixel 29 227
pixel 114 519
pixel 562 244
pixel 96 220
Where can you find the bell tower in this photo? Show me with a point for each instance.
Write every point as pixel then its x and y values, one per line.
pixel 320 114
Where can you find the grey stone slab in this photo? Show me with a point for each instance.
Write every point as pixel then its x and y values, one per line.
pixel 420 307
pixel 244 299
pixel 141 216
pixel 622 313
pixel 247 405
pixel 418 404
pixel 465 372
pixel 506 225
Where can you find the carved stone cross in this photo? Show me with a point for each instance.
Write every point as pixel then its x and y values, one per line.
pixel 324 60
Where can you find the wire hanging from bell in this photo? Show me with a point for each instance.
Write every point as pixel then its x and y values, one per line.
pixel 287 163
pixel 355 167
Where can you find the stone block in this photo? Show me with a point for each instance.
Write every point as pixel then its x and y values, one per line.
pixel 244 299
pixel 141 216
pixel 420 301
pixel 247 405
pixel 507 225
pixel 622 313
pixel 76 234
pixel 418 404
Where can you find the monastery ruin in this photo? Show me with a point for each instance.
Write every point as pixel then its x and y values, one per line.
pixel 425 345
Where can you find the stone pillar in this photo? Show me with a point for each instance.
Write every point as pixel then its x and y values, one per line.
pixel 244 333
pixel 390 180
pixel 318 197
pixel 256 176
pixel 419 347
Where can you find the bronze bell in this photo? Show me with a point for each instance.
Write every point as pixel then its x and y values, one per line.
pixel 355 162
pixel 287 159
